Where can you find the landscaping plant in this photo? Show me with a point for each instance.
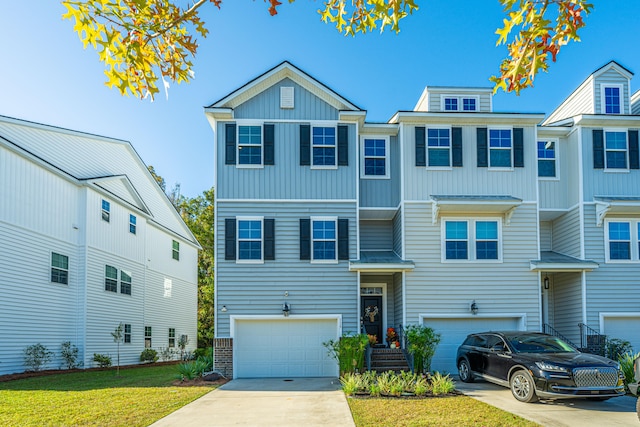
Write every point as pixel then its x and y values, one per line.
pixel 118 335
pixel 149 355
pixel 166 354
pixel 183 341
pixel 36 356
pixel 615 348
pixel 103 360
pixel 421 344
pixel 441 384
pixel 69 354
pixel 626 365
pixel 349 351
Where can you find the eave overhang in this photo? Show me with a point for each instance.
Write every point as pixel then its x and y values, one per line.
pixel 421 117
pixel 448 204
pixel 380 262
pixel 554 262
pixel 606 205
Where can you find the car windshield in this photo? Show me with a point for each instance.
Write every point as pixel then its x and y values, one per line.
pixel 539 344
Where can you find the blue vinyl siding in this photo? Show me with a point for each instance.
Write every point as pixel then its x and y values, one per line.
pixel 384 192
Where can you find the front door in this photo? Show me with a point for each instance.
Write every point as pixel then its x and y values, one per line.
pixel 371 315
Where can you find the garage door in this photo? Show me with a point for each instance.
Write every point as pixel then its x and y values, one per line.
pixel 455 330
pixel 624 328
pixel 284 347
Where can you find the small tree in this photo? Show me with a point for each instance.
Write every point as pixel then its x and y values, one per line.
pixel 349 352
pixel 421 344
pixel 69 354
pixel 36 356
pixel 182 344
pixel 118 336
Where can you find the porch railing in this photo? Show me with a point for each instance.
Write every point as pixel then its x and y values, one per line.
pixel 403 344
pixel 592 341
pixel 549 330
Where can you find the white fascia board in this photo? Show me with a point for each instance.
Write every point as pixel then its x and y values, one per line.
pixel 606 120
pixel 457 118
pixel 553 131
pixel 556 267
pixel 352 116
pixel 380 268
pixel 219 113
pixel 388 129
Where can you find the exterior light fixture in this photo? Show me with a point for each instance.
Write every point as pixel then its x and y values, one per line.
pixel 224 309
pixel 474 308
pixel 286 308
pixel 546 282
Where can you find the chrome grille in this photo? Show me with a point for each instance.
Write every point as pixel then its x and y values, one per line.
pixel 595 377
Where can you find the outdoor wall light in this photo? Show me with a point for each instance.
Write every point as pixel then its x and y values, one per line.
pixel 474 308
pixel 286 308
pixel 224 309
pixel 546 282
pixel 286 293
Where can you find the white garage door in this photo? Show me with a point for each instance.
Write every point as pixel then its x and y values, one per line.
pixel 454 331
pixel 284 347
pixel 625 328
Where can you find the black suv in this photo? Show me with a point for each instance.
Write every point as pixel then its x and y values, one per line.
pixel 536 365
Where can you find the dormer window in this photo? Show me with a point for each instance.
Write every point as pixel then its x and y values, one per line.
pixel 451 104
pixel 612 99
pixel 459 103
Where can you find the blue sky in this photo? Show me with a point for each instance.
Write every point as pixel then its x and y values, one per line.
pixel 47 77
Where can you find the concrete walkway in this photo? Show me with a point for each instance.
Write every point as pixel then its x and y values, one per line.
pixel 282 402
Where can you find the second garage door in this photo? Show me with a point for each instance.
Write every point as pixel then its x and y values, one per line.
pixel 623 327
pixel 284 347
pixel 455 330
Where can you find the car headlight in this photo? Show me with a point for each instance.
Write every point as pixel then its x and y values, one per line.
pixel 550 367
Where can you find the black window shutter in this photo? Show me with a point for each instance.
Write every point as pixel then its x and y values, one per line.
pixel 230 144
pixel 343 145
pixel 305 145
pixel 634 152
pixel 305 238
pixel 598 149
pixel 269 138
pixel 483 152
pixel 230 239
pixel 421 147
pixel 343 238
pixel 518 148
pixel 456 147
pixel 269 239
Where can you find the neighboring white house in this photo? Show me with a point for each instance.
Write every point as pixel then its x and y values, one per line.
pixel 88 241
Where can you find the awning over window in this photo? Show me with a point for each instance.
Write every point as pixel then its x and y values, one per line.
pixel 503 205
pixel 554 262
pixel 381 262
pixel 606 205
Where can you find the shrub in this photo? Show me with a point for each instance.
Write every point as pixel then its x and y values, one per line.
pixel 191 370
pixel 69 354
pixel 103 360
pixel 615 348
pixel 166 353
pixel 626 365
pixel 350 383
pixel 349 351
pixel 421 344
pixel 207 361
pixel 36 357
pixel 149 355
pixel 441 384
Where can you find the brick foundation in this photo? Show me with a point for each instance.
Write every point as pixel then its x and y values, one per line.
pixel 223 350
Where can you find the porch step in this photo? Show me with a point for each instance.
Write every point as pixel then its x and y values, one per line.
pixel 388 359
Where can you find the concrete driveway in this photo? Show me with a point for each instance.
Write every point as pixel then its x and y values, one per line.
pixel 618 411
pixel 282 402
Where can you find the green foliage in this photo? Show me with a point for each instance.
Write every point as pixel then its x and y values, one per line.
pixel 626 365
pixel 149 355
pixel 391 384
pixel 118 337
pixel 615 348
pixel 441 384
pixel 167 353
pixel 421 344
pixel 205 356
pixel 191 370
pixel 69 354
pixel 349 351
pixel 36 356
pixel 103 360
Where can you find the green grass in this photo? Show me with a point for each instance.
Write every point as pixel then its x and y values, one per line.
pixel 443 411
pixel 138 397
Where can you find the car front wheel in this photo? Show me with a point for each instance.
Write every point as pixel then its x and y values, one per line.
pixel 522 387
pixel 464 371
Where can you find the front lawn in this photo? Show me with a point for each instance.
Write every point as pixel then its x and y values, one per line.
pixel 137 397
pixel 442 411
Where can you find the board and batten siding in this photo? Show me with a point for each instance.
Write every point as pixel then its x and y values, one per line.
pixel 383 192
pixel 567 305
pixel 566 234
pixel 421 182
pixel 376 235
pixel 286 179
pixel 611 77
pixel 435 287
pixel 581 101
pixel 313 288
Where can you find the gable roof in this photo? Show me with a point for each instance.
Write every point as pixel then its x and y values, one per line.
pixel 106 164
pixel 281 71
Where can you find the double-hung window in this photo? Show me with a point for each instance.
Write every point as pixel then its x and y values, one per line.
pixel 623 240
pixel 250 239
pixel 106 210
pixel 439 147
pixel 612 99
pixel 147 337
pixel 125 282
pixel 250 145
pixel 500 148
pixel 111 279
pixel 615 146
pixel 472 240
pixel 175 250
pixel 59 268
pixel 323 146
pixel 172 337
pixel 132 224
pixel 324 239
pixel 547 154
pixel 375 157
pixel 127 333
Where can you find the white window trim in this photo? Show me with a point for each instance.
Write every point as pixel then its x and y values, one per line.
pixel 240 123
pixel 499 168
pixel 603 104
pixel 169 338
pixel 173 250
pixel 626 150
pixel 363 157
pixel 426 137
pixel 124 328
pixel 556 143
pixel 250 261
pixel 107 211
pixel 333 125
pixel 104 282
pixel 130 283
pixel 324 218
pixel 385 315
pixel 135 225
pixel 58 268
pixel 460 99
pixel 471 240
pixel 633 235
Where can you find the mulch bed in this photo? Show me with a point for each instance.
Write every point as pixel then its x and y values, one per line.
pixel 405 396
pixel 210 379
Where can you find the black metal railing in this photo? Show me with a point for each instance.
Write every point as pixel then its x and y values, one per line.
pixel 403 344
pixel 549 330
pixel 592 341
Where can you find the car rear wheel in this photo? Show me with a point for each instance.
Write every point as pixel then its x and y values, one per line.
pixel 464 371
pixel 523 387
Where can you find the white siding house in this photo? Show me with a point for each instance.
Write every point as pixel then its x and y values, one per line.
pixel 88 241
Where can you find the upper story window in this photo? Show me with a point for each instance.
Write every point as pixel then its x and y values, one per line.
pixel 250 145
pixel 59 268
pixel 106 210
pixel 622 241
pixel 500 147
pixel 451 104
pixel 249 239
pixel 439 147
pixel 612 99
pixel 324 239
pixel 375 157
pixel 132 224
pixel 469 104
pixel 459 103
pixel 471 240
pixel 547 159
pixel 323 141
pixel 175 250
pixel 125 282
pixel 127 333
pixel 111 279
pixel 615 146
